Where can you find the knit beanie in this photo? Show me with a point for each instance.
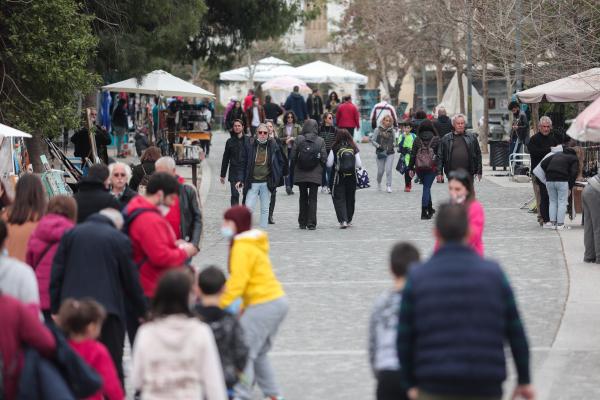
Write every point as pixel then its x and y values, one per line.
pixel 241 216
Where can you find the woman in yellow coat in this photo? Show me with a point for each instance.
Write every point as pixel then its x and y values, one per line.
pixel 266 305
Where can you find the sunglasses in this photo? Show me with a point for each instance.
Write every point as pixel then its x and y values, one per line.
pixel 268 120
pixel 458 175
pixel 263 132
pixel 117 175
pixel 290 117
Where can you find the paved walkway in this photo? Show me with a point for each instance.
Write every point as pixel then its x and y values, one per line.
pixel 333 276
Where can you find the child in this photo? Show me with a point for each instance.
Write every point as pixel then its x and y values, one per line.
pixel 383 327
pixel 225 326
pixel 405 143
pixel 81 321
pixel 174 354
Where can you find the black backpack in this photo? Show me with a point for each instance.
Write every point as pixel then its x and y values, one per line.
pixel 308 154
pixel 346 160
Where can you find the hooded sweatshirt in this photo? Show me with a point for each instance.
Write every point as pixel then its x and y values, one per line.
pixel 175 357
pixel 251 274
pixel 538 170
pixel 17 279
pixel 41 249
pixel 296 103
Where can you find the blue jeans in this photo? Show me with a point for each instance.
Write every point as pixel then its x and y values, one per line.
pixel 235 195
pixel 516 148
pixel 289 182
pixel 426 178
pixel 558 192
pixel 326 175
pixel 259 189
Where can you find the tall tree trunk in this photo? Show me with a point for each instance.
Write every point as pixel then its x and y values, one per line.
pixel 459 72
pixel 383 72
pixel 36 147
pixel 535 115
pixel 508 82
pixel 483 133
pixel 440 82
pixel 251 70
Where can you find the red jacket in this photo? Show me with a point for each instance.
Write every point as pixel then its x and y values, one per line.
pixel 248 101
pixel 96 355
pixel 347 116
pixel 153 241
pixel 20 327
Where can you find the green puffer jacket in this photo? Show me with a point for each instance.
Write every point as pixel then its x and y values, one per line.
pixel 408 143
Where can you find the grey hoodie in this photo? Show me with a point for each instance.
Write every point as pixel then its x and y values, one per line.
pixel 309 130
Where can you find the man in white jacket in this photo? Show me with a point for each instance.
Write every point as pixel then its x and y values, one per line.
pixel 381 110
pixel 541 181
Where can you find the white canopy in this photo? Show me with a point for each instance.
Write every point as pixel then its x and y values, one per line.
pixel 7 131
pixel 321 72
pixel 159 83
pixel 277 72
pixel 243 74
pixel 572 89
pixel 451 99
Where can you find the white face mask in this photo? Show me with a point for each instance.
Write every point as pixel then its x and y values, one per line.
pixel 164 210
pixel 458 199
pixel 255 102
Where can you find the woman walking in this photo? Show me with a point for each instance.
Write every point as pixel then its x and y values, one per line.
pixel 343 159
pixel 252 278
pixel 428 140
pixel 23 215
pixel 146 167
pixel 333 101
pixel 288 132
pixel 120 125
pixel 236 112
pixel 384 139
pixel 327 131
pixel 285 171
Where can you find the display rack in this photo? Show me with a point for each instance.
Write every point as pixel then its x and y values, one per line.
pixel 367 98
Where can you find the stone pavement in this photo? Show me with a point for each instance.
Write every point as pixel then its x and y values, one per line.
pixel 333 276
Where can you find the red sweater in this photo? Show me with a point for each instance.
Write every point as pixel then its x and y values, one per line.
pixel 97 356
pixel 174 215
pixel 19 327
pixel 153 240
pixel 347 116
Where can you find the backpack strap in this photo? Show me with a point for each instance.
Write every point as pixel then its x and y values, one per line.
pixel 42 256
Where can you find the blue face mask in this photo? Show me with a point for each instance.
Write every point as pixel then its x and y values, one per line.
pixel 227 232
pixel 4 253
pixel 262 141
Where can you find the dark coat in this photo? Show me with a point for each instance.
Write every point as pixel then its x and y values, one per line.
pixel 443 125
pixel 522 131
pixel 81 141
pixel 272 111
pixel 426 137
pixel 296 103
pixel 309 130
pixel 540 145
pixel 562 167
pixel 444 154
pixel 128 194
pixel 231 156
pixel 285 170
pixel 91 197
pixel 415 125
pixel 191 217
pixel 250 115
pixel 142 142
pixel 104 271
pixel 119 117
pixel 314 106
pixel 248 157
pixel 233 115
pixel 138 173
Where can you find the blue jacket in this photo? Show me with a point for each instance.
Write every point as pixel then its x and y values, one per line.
pixel 456 311
pixel 248 157
pixel 296 103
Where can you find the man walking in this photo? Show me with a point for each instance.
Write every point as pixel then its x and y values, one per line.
pixel 347 116
pixel 231 157
pixel 272 110
pixel 456 312
pixel 539 145
pixel 248 99
pixel 314 105
pixel 296 103
pixel 259 171
pixel 519 134
pixel 442 124
pixel 255 115
pixel 458 150
pixel 93 195
pixel 381 110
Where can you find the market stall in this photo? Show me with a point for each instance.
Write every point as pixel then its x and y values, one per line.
pixel 11 162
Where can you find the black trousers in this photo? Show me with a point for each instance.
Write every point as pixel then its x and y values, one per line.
pixel 132 319
pixel 545 201
pixel 389 387
pixel 308 204
pixel 407 178
pixel 253 130
pixel 344 196
pixel 235 195
pixel 112 336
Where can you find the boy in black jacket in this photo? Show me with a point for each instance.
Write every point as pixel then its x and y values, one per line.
pixel 225 326
pixel 231 158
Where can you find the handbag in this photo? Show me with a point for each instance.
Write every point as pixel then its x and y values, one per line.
pixel 362 179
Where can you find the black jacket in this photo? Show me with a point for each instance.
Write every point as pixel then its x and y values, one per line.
pixel 540 145
pixel 415 125
pixel 128 194
pixel 191 217
pixel 562 167
pixel 233 115
pixel 426 137
pixel 231 156
pixel 285 170
pixel 444 154
pixel 91 197
pixel 81 141
pixel 272 111
pixel 314 106
pixel 120 116
pixel 443 125
pixel 137 174
pixel 95 260
pixel 142 142
pixel 522 131
pixel 248 157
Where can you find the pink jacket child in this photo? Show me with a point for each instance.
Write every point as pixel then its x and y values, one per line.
pixel 41 249
pixel 476 224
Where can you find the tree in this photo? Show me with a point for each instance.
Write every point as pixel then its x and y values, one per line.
pixel 45 47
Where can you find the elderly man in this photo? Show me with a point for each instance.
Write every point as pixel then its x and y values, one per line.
pixel 119 175
pixel 539 145
pixel 442 124
pixel 458 150
pixel 184 216
pixel 381 110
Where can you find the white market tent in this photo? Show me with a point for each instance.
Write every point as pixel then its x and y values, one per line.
pixel 159 83
pixel 577 88
pixel 451 99
pixel 243 74
pixel 7 131
pixel 322 72
pixel 277 72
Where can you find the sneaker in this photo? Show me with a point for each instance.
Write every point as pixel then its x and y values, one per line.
pixel 379 186
pixel 549 225
pixel 312 228
pixel 288 190
pixel 389 189
pixel 302 226
pixel 563 227
pixel 324 190
pixel 350 223
pixel 407 189
pixel 343 225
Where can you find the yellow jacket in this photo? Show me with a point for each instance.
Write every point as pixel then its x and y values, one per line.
pixel 252 276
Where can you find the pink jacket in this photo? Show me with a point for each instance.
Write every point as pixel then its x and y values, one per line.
pixel 476 224
pixel 48 233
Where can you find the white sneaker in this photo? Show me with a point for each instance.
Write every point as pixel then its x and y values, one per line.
pixel 389 189
pixel 549 225
pixel 324 189
pixel 562 227
pixel 379 186
pixel 343 225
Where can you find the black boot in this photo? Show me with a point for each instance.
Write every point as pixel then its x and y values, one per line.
pixel 271 209
pixel 430 210
pixel 424 213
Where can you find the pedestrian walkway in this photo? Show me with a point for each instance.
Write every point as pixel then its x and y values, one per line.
pixel 333 276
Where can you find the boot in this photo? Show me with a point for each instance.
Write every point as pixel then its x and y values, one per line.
pixel 430 210
pixel 271 209
pixel 424 213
